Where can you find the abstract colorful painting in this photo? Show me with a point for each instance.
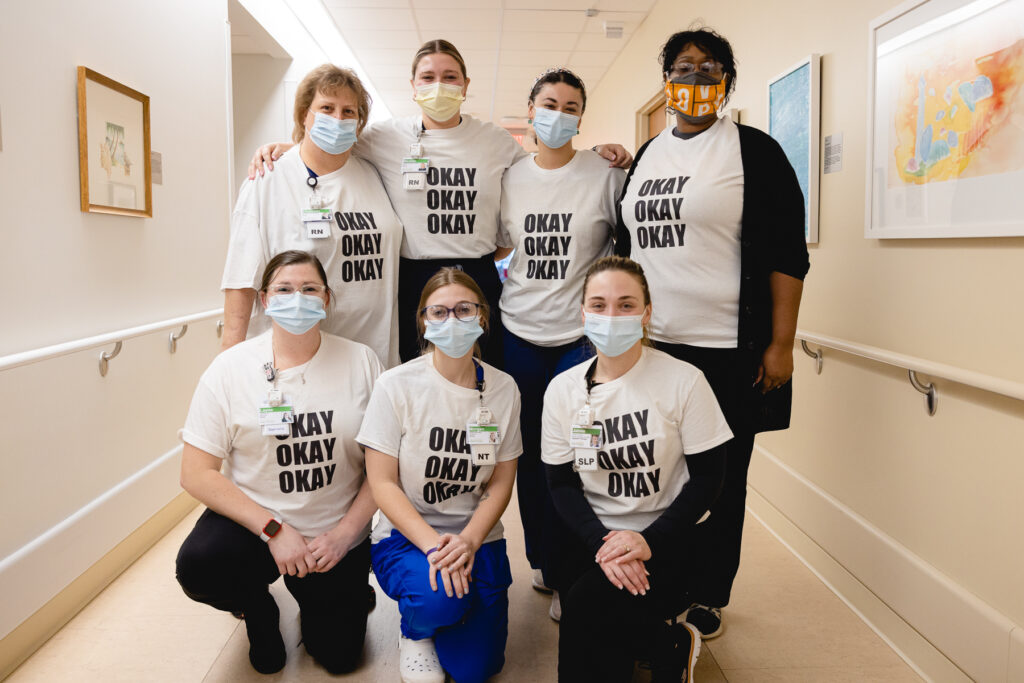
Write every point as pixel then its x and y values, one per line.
pixel 947 146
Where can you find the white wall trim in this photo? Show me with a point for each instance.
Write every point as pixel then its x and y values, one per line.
pixel 44 566
pixel 941 629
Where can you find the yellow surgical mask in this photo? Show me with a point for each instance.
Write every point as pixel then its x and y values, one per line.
pixel 696 97
pixel 439 101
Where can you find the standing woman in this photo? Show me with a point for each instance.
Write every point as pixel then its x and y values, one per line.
pixel 713 212
pixel 324 201
pixel 281 412
pixel 558 212
pixel 634 456
pixel 442 436
pixel 442 170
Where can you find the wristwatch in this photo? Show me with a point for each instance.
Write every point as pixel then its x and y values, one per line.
pixel 270 529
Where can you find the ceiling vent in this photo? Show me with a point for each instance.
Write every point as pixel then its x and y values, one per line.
pixel 613 29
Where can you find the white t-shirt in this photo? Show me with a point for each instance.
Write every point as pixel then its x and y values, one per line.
pixel 683 208
pixel 360 255
pixel 419 417
pixel 311 476
pixel 660 411
pixel 560 221
pixel 456 216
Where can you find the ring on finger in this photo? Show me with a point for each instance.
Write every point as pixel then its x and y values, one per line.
pixel 625 549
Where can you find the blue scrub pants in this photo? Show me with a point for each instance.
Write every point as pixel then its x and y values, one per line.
pixel 470 632
pixel 533 367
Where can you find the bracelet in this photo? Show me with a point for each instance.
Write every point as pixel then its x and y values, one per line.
pixel 432 550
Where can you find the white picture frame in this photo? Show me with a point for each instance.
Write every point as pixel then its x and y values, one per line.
pixel 944 84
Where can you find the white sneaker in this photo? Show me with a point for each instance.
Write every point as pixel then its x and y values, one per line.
pixel 538 582
pixel 556 607
pixel 417 661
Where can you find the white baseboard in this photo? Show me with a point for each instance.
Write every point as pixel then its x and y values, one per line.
pixel 42 568
pixel 942 630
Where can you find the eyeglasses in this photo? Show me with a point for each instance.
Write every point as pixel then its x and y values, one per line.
pixel 464 311
pixel 285 290
pixel 710 67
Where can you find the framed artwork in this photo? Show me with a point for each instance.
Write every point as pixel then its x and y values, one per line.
pixel 945 145
pixel 113 147
pixel 794 112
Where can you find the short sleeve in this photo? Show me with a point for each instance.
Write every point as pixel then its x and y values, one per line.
pixel 207 424
pixel 512 442
pixel 245 262
pixel 703 425
pixel 381 429
pixel 555 449
pixel 613 188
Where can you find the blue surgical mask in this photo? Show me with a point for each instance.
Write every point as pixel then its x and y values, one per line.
pixel 613 335
pixel 554 128
pixel 334 136
pixel 296 312
pixel 454 337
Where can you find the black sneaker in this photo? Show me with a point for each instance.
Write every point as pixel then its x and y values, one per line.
pixel 708 620
pixel 676 657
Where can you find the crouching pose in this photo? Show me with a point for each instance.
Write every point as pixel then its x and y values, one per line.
pixel 280 412
pixel 442 436
pixel 632 445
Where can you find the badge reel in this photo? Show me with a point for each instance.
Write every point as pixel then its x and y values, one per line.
pixel 316 219
pixel 585 438
pixel 276 415
pixel 414 168
pixel 483 437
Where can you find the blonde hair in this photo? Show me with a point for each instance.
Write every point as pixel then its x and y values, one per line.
pixel 328 79
pixel 443 278
pixel 435 47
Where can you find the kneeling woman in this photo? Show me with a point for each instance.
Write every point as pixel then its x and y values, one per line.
pixel 442 437
pixel 632 445
pixel 281 410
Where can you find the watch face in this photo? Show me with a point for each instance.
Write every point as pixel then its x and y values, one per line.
pixel 272 528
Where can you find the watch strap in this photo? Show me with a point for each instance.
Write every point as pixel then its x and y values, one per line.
pixel 270 529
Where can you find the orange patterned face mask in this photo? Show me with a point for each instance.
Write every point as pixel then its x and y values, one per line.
pixel 696 102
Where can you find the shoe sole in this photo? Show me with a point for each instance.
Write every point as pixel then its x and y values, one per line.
pixel 714 634
pixel 695 640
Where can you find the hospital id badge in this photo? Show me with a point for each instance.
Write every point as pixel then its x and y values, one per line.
pixel 585 439
pixel 415 164
pixel 414 181
pixel 276 420
pixel 483 440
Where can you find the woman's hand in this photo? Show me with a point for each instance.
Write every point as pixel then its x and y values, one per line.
pixel 453 551
pixel 616 154
pixel 328 548
pixel 622 558
pixel 267 154
pixel 291 553
pixel 456 569
pixel 776 367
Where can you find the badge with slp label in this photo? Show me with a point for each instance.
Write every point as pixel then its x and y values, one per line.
pixel 585 440
pixel 483 440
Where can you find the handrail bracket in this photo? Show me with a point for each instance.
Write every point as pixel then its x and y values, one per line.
pixel 818 356
pixel 929 390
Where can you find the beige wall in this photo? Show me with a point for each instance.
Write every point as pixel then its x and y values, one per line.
pixel 945 489
pixel 87 459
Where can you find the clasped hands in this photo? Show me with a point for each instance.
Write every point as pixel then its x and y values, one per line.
pixel 622 558
pixel 297 555
pixel 453 560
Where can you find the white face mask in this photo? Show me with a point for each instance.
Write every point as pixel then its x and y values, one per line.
pixel 439 101
pixel 613 335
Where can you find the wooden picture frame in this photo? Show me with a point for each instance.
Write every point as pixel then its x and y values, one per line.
pixel 113 147
pixel 945 153
pixel 794 115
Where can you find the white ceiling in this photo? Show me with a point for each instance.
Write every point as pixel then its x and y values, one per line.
pixel 506 44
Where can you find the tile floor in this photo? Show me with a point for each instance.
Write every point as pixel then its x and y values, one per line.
pixel 783 625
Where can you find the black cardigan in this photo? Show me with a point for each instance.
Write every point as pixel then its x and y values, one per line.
pixel 771 240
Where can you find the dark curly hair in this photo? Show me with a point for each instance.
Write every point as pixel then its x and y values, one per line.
pixel 709 42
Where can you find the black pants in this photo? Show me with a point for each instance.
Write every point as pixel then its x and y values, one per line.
pixel 224 565
pixel 413 275
pixel 603 630
pixel 716 548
